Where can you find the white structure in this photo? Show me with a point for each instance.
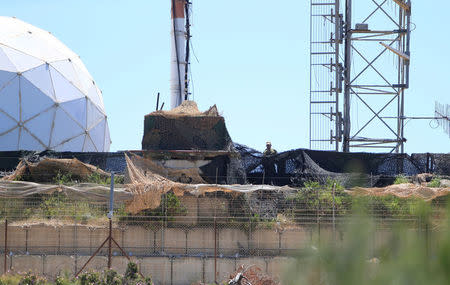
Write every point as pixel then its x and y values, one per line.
pixel 178 56
pixel 48 99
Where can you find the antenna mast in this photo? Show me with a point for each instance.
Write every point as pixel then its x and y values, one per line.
pixel 179 82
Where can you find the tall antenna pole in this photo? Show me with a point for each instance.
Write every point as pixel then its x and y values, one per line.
pixel 347 74
pixel 188 42
pixel 179 64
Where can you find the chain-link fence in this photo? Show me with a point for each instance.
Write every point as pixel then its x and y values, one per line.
pixel 194 238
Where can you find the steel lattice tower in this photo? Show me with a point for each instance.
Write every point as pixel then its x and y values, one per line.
pixel 360 54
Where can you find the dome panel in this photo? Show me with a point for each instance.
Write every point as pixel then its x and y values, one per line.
pixel 64 128
pixel 84 77
pixel 107 139
pixel 65 68
pixel 5 62
pixel 40 77
pixel 6 77
pixel 10 140
pixel 89 145
pixel 97 135
pixel 6 123
pixel 94 95
pixel 32 45
pixel 64 90
pixel 94 115
pixel 33 100
pixel 75 144
pixel 9 98
pixel 41 126
pixel 28 142
pixel 76 110
pixel 21 61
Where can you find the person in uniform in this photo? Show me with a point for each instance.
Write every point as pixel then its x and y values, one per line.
pixel 268 162
pixel 269 150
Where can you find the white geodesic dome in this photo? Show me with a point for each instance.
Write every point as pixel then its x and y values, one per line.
pixel 48 99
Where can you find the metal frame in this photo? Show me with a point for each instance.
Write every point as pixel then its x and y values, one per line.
pixel 383 129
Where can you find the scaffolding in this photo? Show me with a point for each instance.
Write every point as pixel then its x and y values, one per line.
pixel 361 69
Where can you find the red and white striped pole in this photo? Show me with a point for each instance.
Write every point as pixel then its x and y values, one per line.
pixel 178 58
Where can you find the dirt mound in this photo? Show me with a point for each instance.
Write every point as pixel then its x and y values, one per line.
pixel 51 169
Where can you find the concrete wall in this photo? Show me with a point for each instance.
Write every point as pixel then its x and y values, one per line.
pixel 163 270
pixel 144 241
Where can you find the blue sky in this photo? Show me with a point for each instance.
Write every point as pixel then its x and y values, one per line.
pixel 253 62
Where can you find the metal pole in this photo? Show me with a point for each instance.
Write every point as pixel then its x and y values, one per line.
pixel 215 251
pixel 217 173
pixel 347 74
pixel 337 39
pixel 110 244
pixel 6 247
pixel 110 215
pixel 334 212
pixel 157 102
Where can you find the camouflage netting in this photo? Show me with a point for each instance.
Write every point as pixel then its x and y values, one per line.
pixel 403 191
pixel 148 187
pixel 147 184
pixel 186 128
pixel 350 169
pixel 188 175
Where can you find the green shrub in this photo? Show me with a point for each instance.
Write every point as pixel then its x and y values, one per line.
pixel 63 178
pixel 90 278
pixel 316 198
pixel 111 277
pixel 132 271
pixel 435 183
pixel 32 279
pixel 63 280
pixel 401 179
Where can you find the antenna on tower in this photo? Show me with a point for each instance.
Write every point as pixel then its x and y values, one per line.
pixel 442 114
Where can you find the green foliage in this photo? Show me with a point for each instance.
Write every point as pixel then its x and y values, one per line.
pixel 314 198
pixel 435 183
pixel 97 178
pixel 32 279
pixel 401 179
pixel 89 278
pixel 405 257
pixel 63 178
pixel 63 280
pixel 10 279
pixel 132 271
pixel 112 278
pixel 170 207
pixel 386 206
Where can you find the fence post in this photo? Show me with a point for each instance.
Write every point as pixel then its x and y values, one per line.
pixel 318 213
pixel 334 212
pixel 217 173
pixel 215 250
pixel 110 215
pixel 6 246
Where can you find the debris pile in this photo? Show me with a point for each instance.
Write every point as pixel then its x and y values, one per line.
pixel 251 275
